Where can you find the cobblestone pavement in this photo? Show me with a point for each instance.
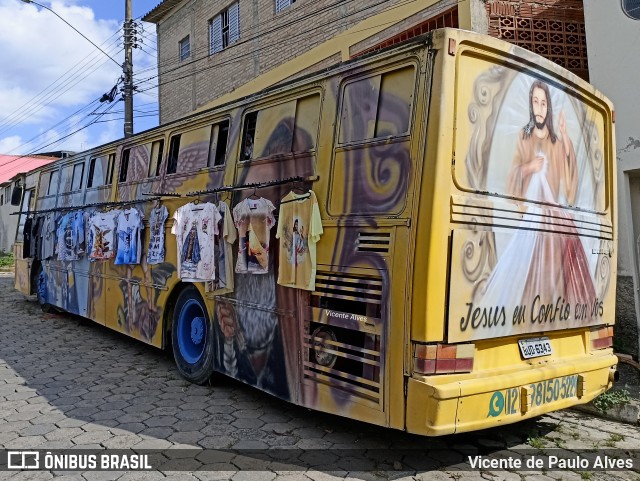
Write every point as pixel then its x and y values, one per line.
pixel 69 383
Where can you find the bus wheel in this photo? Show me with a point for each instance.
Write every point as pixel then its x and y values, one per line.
pixel 192 337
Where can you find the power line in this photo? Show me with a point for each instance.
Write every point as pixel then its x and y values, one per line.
pixel 239 58
pixel 46 99
pixel 78 31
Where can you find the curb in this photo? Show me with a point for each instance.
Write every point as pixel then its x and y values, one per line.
pixel 626 413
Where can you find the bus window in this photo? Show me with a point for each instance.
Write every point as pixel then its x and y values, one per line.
pixel 138 162
pixel 281 129
pixel 78 173
pixel 110 168
pixel 124 165
pixel 45 178
pixel 378 106
pixel 52 189
pixel 92 170
pixel 306 127
pixel 174 150
pixel 157 151
pixel 249 136
pixel 218 143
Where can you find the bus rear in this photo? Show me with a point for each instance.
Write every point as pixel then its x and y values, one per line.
pixel 516 234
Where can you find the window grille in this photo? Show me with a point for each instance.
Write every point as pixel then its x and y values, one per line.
pixel 557 34
pixel 224 29
pixel 185 48
pixel 282 4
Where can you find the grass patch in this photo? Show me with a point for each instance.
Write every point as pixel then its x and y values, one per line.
pixel 535 442
pixel 613 439
pixel 6 259
pixel 586 475
pixel 609 399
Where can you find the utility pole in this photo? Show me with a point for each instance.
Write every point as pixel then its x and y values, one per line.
pixel 127 69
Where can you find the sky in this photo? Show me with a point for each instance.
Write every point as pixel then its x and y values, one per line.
pixel 52 78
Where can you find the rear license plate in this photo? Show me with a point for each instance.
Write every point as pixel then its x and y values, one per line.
pixel 534 347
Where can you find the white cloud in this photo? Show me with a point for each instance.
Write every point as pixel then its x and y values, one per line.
pixel 9 143
pixel 50 71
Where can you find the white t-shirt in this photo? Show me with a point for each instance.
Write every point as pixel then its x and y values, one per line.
pixel 102 228
pixel 157 219
pixel 195 228
pixel 129 248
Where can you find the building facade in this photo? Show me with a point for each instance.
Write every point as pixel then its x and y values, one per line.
pixel 614 73
pixel 12 168
pixel 207 49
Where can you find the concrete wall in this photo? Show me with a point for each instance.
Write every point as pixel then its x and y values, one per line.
pixel 8 223
pixel 612 37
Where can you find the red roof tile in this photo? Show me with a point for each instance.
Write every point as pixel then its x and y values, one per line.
pixel 12 165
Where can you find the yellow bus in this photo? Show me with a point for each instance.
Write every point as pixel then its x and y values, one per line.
pixel 464 271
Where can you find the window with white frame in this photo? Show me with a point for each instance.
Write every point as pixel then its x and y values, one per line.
pixel 185 48
pixel 224 29
pixel 282 4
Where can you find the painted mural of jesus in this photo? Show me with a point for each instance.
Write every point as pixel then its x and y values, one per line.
pixel 552 266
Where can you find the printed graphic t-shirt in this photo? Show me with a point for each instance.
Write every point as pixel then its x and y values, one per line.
pixel 70 236
pixel 157 218
pixel 48 236
pixel 254 220
pixel 129 225
pixel 227 235
pixel 299 229
pixel 195 227
pixel 102 227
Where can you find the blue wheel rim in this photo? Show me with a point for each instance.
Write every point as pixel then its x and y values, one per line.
pixel 192 331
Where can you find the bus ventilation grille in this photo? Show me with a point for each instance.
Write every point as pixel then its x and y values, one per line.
pixel 378 242
pixel 342 335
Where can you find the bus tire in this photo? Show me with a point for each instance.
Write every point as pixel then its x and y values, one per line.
pixel 192 337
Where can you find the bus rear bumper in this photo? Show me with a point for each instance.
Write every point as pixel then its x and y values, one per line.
pixel 438 405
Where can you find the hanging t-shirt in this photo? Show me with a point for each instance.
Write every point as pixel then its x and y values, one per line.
pixel 78 226
pixel 48 236
pixel 299 229
pixel 128 248
pixel 70 236
pixel 195 228
pixel 227 235
pixel 254 220
pixel 157 219
pixel 102 227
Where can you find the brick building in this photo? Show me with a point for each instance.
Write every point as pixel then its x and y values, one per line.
pixel 208 48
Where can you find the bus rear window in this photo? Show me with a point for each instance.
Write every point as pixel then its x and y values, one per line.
pixel 523 137
pixel 378 106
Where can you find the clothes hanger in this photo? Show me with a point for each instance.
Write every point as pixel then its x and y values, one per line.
pixel 196 202
pixel 299 187
pixel 254 195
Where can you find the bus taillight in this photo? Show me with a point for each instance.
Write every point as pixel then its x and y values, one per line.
pixel 601 337
pixel 443 358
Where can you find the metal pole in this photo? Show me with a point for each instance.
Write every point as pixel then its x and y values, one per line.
pixel 127 69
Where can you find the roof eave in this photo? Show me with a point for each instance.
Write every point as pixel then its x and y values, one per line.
pixel 158 13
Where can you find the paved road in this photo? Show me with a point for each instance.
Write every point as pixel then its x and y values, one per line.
pixel 68 383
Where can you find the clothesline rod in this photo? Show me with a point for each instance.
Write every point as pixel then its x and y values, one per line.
pixel 163 194
pixel 81 207
pixel 255 185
